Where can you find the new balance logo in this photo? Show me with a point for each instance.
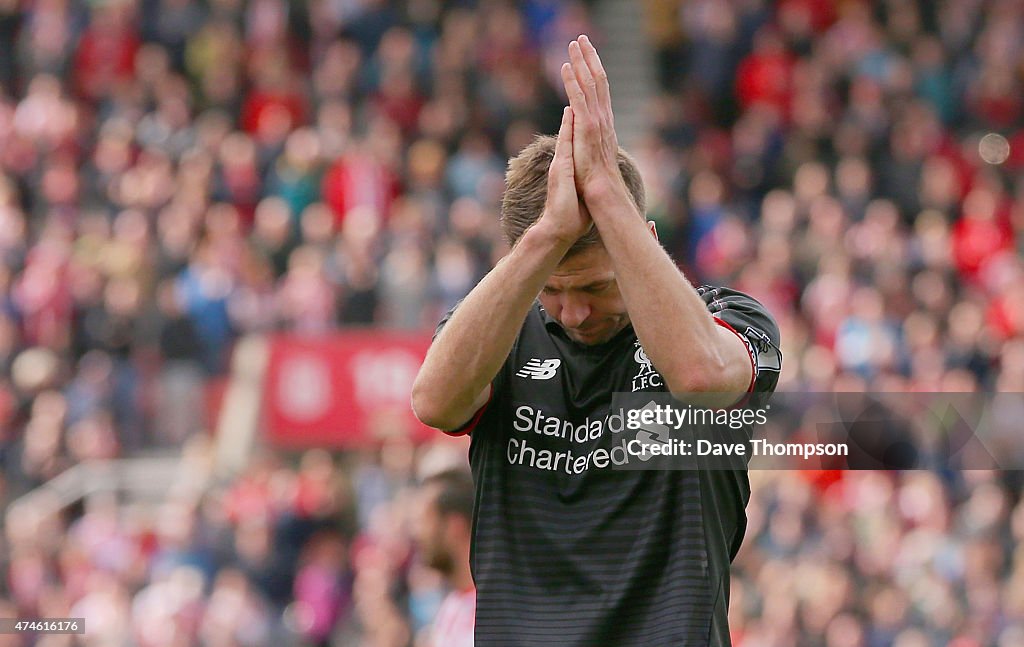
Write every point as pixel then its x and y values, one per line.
pixel 540 369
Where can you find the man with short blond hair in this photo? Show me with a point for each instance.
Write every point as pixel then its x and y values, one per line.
pixel 572 544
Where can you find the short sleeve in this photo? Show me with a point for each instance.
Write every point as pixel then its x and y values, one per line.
pixel 444 319
pixel 752 323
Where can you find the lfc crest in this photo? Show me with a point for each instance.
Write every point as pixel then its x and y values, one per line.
pixel 646 377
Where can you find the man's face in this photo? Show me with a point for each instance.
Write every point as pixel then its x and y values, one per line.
pixel 583 296
pixel 429 532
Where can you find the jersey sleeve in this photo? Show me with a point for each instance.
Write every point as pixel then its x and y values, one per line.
pixel 444 320
pixel 754 326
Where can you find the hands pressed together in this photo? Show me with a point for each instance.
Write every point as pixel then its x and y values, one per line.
pixel 586 152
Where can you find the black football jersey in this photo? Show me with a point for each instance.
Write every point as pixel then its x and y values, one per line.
pixel 571 549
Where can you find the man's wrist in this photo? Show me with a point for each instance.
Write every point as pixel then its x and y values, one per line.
pixel 606 192
pixel 545 235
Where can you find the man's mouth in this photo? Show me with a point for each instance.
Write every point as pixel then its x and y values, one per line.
pixel 585 333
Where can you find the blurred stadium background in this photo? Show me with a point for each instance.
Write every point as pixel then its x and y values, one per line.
pixel 227 229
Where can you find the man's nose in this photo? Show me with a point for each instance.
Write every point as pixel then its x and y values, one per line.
pixel 575 310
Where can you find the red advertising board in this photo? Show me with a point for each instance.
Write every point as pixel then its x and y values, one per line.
pixel 342 390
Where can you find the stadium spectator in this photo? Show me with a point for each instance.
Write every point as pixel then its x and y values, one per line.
pixel 442 529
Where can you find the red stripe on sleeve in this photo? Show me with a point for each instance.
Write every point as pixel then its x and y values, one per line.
pixel 750 352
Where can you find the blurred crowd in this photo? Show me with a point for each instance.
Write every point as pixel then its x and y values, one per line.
pixel 873 559
pixel 319 552
pixel 176 173
pixel 826 158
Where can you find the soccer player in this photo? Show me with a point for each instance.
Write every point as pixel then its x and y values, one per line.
pixel 568 548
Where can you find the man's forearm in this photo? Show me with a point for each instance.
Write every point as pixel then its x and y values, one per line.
pixel 469 351
pixel 672 322
pixel 676 330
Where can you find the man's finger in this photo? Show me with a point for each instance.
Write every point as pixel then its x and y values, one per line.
pixel 593 61
pixel 577 100
pixel 562 164
pixel 563 145
pixel 583 76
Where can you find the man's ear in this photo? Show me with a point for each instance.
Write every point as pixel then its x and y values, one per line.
pixel 654 228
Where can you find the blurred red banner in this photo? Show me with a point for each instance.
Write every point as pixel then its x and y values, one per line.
pixel 343 390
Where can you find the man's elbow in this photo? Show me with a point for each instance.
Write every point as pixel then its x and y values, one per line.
pixel 704 390
pixel 429 407
pixel 424 405
pixel 713 375
pixel 690 383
